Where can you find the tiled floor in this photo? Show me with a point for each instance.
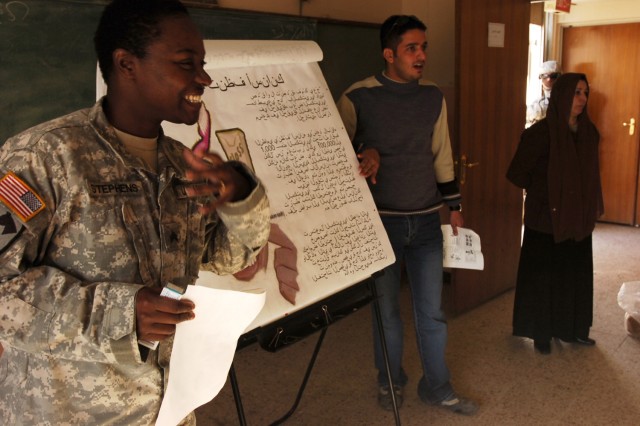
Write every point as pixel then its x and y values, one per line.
pixel 513 384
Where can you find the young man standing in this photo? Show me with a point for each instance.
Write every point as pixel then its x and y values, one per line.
pixel 100 211
pixel 398 125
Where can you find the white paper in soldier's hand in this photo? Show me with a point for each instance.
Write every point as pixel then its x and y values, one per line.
pixel 461 251
pixel 203 348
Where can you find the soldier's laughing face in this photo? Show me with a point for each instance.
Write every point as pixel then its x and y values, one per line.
pixel 170 78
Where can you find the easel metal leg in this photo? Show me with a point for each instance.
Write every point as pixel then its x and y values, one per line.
pixel 323 332
pixel 376 308
pixel 314 356
pixel 236 396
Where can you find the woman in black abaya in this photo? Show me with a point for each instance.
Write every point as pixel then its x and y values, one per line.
pixel 557 164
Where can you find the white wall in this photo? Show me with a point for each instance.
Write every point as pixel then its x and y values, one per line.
pixel 289 7
pixel 438 15
pixel 374 11
pixel 601 12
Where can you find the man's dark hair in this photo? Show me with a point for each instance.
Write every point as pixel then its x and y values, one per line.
pixel 131 25
pixel 395 26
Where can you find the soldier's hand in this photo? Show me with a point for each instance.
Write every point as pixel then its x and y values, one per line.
pixel 157 316
pixel 212 176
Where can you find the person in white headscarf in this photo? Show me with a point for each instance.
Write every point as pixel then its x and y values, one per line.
pixel 537 110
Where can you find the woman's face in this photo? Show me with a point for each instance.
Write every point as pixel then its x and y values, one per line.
pixel 580 97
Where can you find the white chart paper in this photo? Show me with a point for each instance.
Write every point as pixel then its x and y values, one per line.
pixel 269 106
pixel 203 348
pixel 462 250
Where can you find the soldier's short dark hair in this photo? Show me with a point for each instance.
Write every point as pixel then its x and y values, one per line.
pixel 131 25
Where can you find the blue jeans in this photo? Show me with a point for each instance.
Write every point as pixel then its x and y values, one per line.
pixel 416 240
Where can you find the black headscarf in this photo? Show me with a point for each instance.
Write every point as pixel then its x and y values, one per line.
pixel 575 195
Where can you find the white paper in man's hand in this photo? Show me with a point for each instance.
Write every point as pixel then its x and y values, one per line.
pixel 203 348
pixel 461 251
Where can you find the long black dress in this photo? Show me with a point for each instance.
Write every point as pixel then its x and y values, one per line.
pixel 559 170
pixel 554 292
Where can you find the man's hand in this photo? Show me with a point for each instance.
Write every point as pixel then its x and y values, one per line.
pixel 369 163
pixel 456 219
pixel 157 316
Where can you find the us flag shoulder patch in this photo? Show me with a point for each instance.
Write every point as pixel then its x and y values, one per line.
pixel 19 198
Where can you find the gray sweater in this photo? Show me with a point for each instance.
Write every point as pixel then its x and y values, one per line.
pixel 407 124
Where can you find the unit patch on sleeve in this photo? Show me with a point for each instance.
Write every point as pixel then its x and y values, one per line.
pixel 19 197
pixel 9 226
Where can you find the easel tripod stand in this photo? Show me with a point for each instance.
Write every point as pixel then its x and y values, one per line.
pixel 317 317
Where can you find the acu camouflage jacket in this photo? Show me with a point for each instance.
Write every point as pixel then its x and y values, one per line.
pixel 94 227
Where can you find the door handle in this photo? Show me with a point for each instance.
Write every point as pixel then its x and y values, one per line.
pixel 464 165
pixel 632 126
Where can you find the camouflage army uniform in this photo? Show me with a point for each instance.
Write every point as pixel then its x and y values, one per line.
pixel 537 110
pixel 102 228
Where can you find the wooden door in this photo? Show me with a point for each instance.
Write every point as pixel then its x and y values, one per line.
pixel 610 57
pixel 490 116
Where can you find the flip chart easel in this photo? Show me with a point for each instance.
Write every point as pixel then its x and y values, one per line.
pixel 269 107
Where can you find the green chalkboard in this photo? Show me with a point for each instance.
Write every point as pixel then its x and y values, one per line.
pixel 48 64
